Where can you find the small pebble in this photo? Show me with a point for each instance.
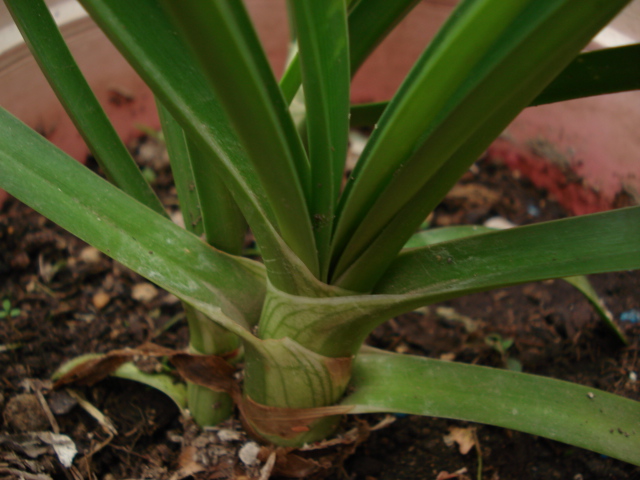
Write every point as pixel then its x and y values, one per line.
pixel 100 300
pixel 144 292
pixel 90 255
pixel 533 210
pixel 24 413
pixel 499 223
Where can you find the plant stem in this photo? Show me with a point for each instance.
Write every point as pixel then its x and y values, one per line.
pixel 208 407
pixel 282 373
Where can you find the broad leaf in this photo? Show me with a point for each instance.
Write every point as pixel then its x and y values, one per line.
pixel 610 70
pixel 562 411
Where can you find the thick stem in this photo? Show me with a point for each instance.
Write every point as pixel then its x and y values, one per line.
pixel 282 373
pixel 208 407
pixel 285 373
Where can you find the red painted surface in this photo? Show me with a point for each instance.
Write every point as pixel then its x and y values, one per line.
pixel 568 189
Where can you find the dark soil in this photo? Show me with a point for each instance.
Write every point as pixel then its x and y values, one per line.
pixel 73 300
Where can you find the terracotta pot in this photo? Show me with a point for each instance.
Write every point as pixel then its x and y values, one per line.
pixel 595 138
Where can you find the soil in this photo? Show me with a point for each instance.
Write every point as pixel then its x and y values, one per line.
pixel 67 299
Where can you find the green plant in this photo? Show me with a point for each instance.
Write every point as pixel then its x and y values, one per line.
pixel 6 311
pixel 333 264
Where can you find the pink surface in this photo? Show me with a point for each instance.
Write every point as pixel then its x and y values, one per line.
pixel 596 138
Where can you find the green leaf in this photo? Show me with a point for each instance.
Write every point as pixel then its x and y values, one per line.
pixel 562 411
pixel 609 70
pixel 182 171
pixel 584 286
pixel 206 203
pixel 366 114
pixel 480 67
pixel 224 41
pixel 207 206
pixel 581 283
pixel 445 234
pixel 595 243
pixel 370 21
pixel 58 65
pixel 228 289
pixel 160 381
pixel 145 35
pixel 324 56
pixel 224 225
pixel 337 326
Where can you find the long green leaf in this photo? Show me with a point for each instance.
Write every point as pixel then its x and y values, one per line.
pixel 593 243
pixel 324 57
pixel 224 225
pixel 222 38
pixel 370 21
pixel 596 243
pixel 183 176
pixel 228 289
pixel 145 35
pixel 205 201
pixel 378 254
pixel 43 38
pixel 491 50
pixel 611 70
pixel 580 282
pixel 563 411
pixel 207 207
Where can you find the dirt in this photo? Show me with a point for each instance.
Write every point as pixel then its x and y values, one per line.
pixel 67 299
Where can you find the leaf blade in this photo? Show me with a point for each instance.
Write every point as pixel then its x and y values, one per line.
pixel 229 52
pixel 43 38
pixel 432 114
pixel 229 289
pixel 145 35
pixel 610 70
pixel 562 411
pixel 560 248
pixel 324 57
